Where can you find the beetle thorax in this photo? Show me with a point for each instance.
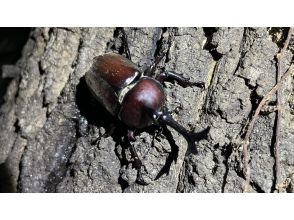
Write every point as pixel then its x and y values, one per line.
pixel 140 101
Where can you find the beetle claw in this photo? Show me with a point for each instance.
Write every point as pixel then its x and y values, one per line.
pixel 201 85
pixel 141 168
pixel 140 178
pixel 131 136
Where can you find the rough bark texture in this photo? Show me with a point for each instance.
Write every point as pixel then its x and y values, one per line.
pixel 51 129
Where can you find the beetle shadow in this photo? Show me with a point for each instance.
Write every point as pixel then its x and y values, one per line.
pixel 97 115
pixel 6 181
pixel 91 109
pixel 173 155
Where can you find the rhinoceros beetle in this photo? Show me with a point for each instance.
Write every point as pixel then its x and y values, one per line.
pixel 136 97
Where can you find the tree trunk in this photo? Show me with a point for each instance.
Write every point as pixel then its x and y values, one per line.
pixel 52 131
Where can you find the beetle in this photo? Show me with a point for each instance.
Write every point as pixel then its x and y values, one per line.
pixel 136 97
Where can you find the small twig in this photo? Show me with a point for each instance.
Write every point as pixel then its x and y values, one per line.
pixel 252 122
pixel 278 116
pixel 262 103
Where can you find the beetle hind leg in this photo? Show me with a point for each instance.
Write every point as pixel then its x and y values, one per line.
pixel 140 167
pixel 150 70
pixel 125 43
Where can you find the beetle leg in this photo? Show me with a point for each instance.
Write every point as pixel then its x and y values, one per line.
pixel 151 69
pixel 165 118
pixel 139 166
pixel 165 44
pixel 179 78
pixel 125 43
pixel 137 161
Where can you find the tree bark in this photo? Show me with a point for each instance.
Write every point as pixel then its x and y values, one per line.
pixel 52 131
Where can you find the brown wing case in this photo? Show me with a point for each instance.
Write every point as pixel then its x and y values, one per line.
pixel 115 69
pixel 102 91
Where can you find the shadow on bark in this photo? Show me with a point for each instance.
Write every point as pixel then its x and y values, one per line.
pixel 5 180
pixel 12 41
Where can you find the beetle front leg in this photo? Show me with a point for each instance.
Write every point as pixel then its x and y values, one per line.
pixel 165 118
pixel 179 78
